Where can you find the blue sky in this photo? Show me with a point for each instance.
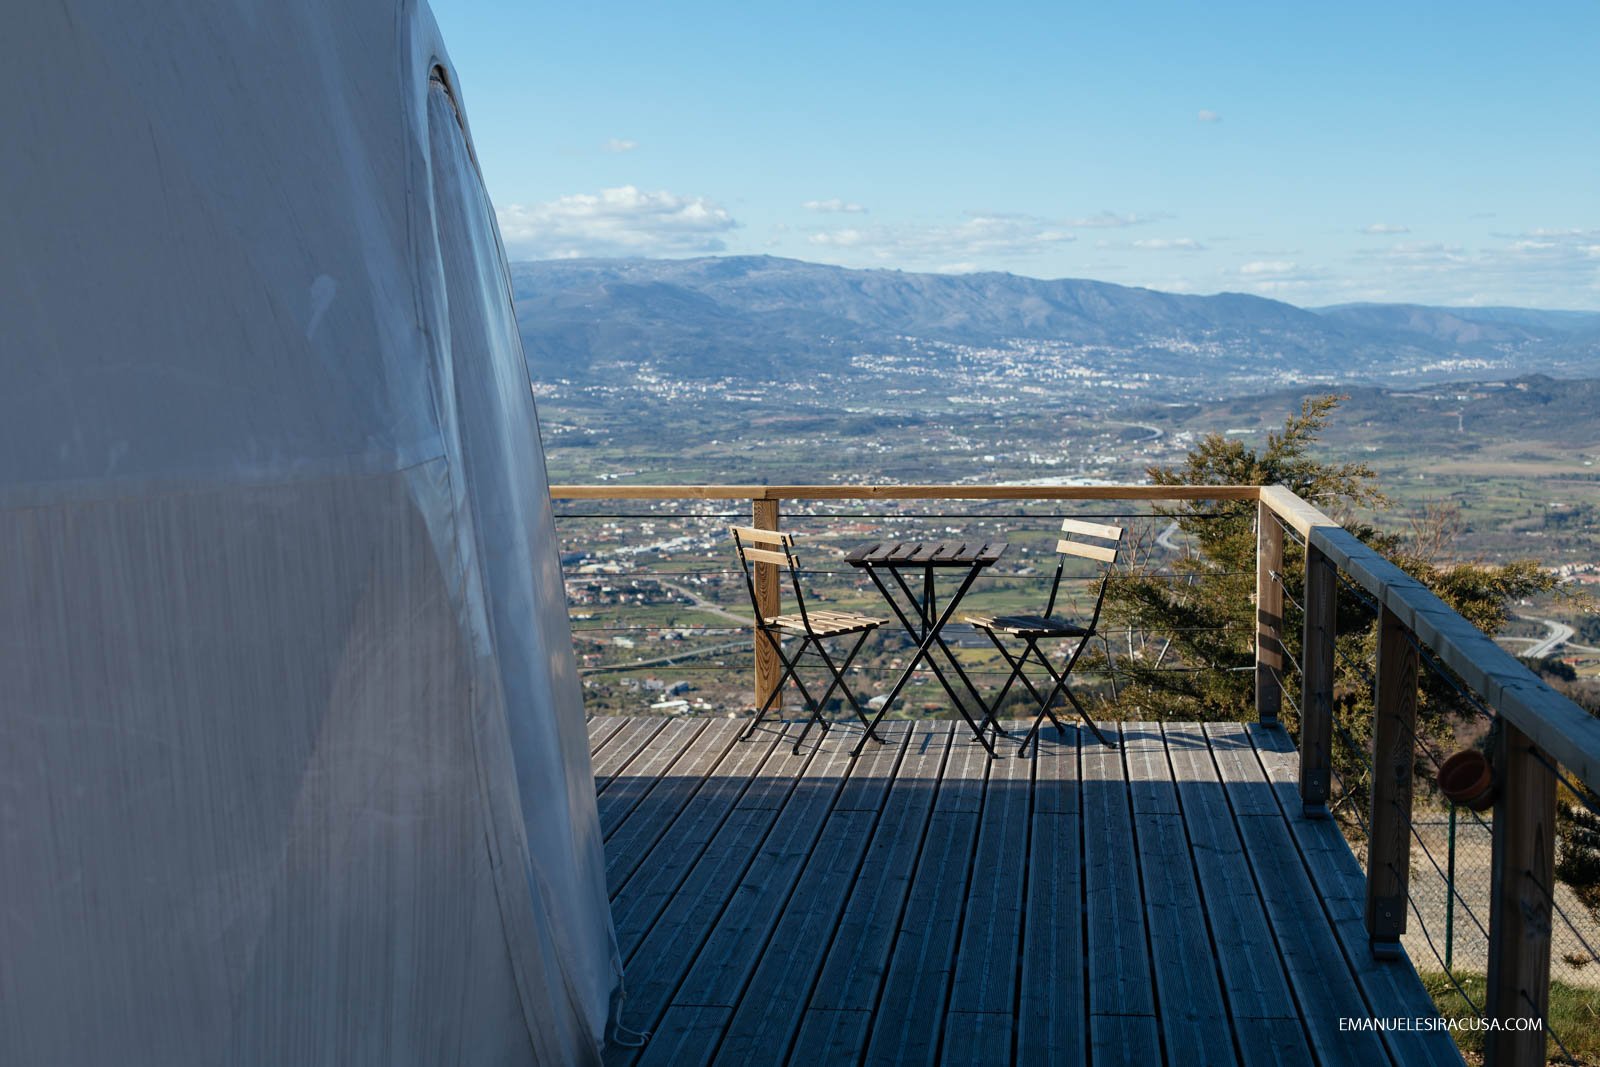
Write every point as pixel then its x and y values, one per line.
pixel 1314 153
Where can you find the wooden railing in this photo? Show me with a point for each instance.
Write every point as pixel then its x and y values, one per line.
pixel 1540 729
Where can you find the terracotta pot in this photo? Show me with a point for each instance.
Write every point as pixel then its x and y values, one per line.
pixel 1467 778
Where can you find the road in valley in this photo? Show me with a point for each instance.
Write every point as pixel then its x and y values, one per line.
pixel 1556 635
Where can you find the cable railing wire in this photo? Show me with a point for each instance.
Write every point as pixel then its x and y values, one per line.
pixel 1289 531
pixel 800 512
pixel 856 668
pixel 746 627
pixel 1577 790
pixel 1283 590
pixel 1448 675
pixel 1548 1028
pixel 1358 591
pixel 646 575
pixel 1477 819
pixel 1410 825
pixel 1448 972
pixel 1417 744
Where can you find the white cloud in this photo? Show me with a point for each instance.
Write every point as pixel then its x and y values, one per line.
pixel 1169 244
pixel 838 238
pixel 620 144
pixel 1539 268
pixel 963 243
pixel 1563 235
pixel 835 206
pixel 1268 268
pixel 1285 278
pixel 624 221
pixel 1431 252
pixel 1384 229
pixel 1207 115
pixel 1107 220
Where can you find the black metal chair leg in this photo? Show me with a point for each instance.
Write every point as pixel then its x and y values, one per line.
pixel 1057 690
pixel 1019 665
pixel 1088 721
pixel 838 676
pixel 1010 662
pixel 816 709
pixel 772 696
pixel 1032 735
pixel 1033 647
pixel 1062 689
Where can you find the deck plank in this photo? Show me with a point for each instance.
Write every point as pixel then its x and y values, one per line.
pixel 627 743
pixel 977 1039
pixel 859 955
pixel 1051 1024
pixel 1256 988
pixel 1144 754
pixel 770 1010
pixel 650 771
pixel 1324 987
pixel 1127 1040
pixel 986 964
pixel 734 946
pixel 910 1013
pixel 1188 994
pixel 704 826
pixel 638 897
pixel 831 1035
pixel 769 835
pixel 603 728
pixel 1392 984
pixel 685 1035
pixel 1119 961
pixel 637 834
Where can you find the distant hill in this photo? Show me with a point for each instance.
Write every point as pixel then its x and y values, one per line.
pixel 744 316
pixel 1469 325
pixel 1428 420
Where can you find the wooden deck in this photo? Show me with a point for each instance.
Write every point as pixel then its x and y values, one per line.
pixel 929 905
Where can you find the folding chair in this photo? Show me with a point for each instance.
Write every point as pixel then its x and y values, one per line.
pixel 1032 629
pixel 811 626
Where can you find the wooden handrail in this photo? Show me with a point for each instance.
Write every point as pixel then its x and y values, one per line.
pixel 1538 728
pixel 1554 723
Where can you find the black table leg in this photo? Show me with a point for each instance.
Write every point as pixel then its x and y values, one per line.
pixel 929 634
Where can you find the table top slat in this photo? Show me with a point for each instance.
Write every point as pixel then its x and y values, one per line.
pixel 893 554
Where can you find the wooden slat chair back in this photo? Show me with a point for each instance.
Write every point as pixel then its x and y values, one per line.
pixel 1096 541
pixel 755 547
pixel 1101 553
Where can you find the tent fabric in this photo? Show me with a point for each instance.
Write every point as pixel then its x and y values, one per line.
pixel 293 762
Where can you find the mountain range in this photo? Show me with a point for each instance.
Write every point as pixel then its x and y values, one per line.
pixel 593 320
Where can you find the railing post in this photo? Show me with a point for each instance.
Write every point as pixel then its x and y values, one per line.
pixel 1269 616
pixel 1394 726
pixel 1522 877
pixel 764 516
pixel 1316 672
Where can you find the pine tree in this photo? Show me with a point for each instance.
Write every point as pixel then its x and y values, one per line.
pixel 1191 625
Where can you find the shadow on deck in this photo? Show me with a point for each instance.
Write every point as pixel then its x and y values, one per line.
pixel 926 904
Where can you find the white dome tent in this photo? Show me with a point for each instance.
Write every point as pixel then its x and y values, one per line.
pixel 293 764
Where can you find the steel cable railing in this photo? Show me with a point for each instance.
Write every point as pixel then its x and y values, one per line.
pixel 1446 873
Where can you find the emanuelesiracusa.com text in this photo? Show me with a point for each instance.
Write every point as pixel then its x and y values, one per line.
pixel 1431 1023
